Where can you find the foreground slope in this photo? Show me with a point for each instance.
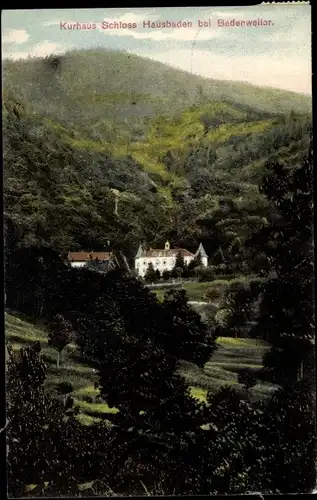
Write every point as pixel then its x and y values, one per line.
pixel 222 370
pixel 20 333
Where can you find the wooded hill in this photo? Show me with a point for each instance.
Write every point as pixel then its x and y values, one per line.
pixel 184 153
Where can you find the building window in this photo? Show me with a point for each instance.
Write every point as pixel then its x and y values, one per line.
pixel 164 263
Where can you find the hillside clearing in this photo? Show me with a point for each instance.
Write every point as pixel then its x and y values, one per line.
pixel 222 370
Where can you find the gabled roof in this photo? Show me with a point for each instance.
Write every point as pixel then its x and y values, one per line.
pixel 173 252
pixel 86 256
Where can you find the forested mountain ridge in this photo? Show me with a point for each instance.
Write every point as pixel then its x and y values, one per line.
pixel 198 162
pixel 85 84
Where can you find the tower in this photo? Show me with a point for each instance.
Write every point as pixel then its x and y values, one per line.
pixel 139 252
pixel 204 257
pixel 137 262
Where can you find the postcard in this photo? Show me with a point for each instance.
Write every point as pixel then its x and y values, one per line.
pixel 158 224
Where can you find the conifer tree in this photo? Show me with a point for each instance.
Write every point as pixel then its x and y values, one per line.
pixel 179 266
pixel 196 262
pixel 150 274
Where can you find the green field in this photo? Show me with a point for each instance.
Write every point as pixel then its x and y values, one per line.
pixel 199 291
pixel 222 370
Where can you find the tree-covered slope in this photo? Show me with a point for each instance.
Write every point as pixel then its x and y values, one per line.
pixel 76 132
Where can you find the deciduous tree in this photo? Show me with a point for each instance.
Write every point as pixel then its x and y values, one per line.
pixel 60 335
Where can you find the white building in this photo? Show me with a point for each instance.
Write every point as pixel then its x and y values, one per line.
pixel 80 259
pixel 164 260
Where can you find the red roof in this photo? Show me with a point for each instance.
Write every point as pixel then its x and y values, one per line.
pixel 86 256
pixel 167 253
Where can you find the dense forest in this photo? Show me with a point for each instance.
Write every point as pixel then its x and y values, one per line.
pixel 176 174
pixel 190 160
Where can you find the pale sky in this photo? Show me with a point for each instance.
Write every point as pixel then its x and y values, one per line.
pixel 277 55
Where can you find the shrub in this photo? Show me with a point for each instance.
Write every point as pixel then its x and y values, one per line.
pixel 213 294
pixel 247 379
pixel 166 275
pixel 65 388
pixel 88 399
pixel 205 274
pixel 177 272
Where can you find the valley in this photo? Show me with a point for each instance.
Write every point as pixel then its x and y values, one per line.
pixel 189 341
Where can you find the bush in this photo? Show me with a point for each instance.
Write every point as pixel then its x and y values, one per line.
pixel 205 274
pixel 213 294
pixel 177 272
pixel 166 275
pixel 222 269
pixel 247 378
pixel 212 268
pixel 88 399
pixel 65 388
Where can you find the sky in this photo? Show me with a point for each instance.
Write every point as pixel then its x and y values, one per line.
pixel 276 55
